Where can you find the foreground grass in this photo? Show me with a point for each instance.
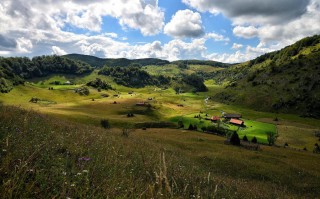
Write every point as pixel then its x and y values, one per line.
pixel 45 157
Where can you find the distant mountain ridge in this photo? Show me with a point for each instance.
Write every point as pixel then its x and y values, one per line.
pixel 112 62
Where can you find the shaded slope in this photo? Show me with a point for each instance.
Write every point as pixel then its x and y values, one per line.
pixel 287 80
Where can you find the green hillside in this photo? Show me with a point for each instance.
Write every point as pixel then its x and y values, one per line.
pixel 15 70
pixel 287 80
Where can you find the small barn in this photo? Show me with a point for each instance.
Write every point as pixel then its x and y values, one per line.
pixel 237 122
pixel 215 118
pixel 67 83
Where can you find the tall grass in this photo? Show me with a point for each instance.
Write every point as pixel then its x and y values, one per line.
pixel 43 157
pixel 46 157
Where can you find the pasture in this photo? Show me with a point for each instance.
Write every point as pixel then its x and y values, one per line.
pixel 166 105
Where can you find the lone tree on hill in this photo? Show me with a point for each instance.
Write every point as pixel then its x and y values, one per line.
pixel 254 140
pixel 235 140
pixel 271 138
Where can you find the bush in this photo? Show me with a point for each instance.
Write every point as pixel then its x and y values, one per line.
pixel 271 138
pixel 180 124
pixel 235 140
pixel 190 127
pixel 204 128
pixel 254 140
pixel 82 91
pixel 105 123
pixel 245 138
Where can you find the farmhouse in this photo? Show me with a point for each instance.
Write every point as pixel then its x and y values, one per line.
pixel 232 116
pixel 237 122
pixel 215 118
pixel 142 104
pixel 67 83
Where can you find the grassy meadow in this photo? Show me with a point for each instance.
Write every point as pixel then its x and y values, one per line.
pixel 61 159
pixel 56 148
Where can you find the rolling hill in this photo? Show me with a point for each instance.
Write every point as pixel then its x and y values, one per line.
pixel 287 80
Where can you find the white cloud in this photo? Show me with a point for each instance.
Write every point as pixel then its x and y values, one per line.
pixel 276 23
pixel 237 46
pixel 143 15
pixel 185 23
pixel 58 51
pixel 248 11
pixel 245 32
pixel 24 45
pixel 217 37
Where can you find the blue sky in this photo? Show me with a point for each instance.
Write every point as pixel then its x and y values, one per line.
pixel 227 31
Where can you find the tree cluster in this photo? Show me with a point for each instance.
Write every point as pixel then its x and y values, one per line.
pixel 133 77
pixel 14 70
pixel 99 84
pixel 196 81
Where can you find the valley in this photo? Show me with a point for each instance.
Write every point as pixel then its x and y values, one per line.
pixel 150 128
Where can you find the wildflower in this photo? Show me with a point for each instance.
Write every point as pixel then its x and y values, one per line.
pixel 85 171
pixel 73 185
pixel 4 150
pixel 78 174
pixel 64 173
pixel 85 159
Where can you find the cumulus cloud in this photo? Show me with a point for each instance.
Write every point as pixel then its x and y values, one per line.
pixel 217 37
pixel 248 11
pixel 237 46
pixel 58 51
pixel 185 23
pixel 24 45
pixel 143 15
pixel 245 32
pixel 276 23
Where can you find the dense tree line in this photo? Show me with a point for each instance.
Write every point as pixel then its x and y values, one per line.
pixel 123 62
pixel 134 77
pixel 196 81
pixel 14 70
pixel 202 62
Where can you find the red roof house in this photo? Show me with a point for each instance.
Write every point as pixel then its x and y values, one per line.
pixel 215 118
pixel 237 122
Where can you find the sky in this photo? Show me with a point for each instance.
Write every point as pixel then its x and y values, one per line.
pixel 228 31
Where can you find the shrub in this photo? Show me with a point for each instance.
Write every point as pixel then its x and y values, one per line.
pixel 190 127
pixel 195 127
pixel 245 138
pixel 235 140
pixel 254 140
pixel 204 128
pixel 180 124
pixel 105 123
pixel 271 138
pixel 82 91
